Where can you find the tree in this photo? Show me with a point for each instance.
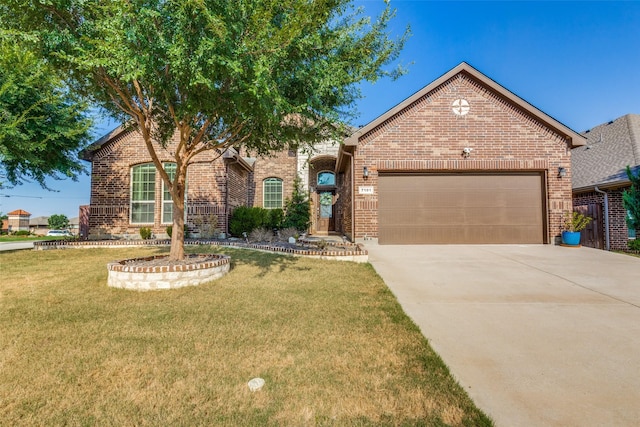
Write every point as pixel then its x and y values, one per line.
pixel 42 125
pixel 631 200
pixel 58 222
pixel 263 75
pixel 297 209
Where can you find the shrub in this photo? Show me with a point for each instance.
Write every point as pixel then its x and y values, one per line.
pixel 207 225
pixel 246 219
pixel 169 231
pixel 575 221
pixel 261 235
pixel 634 245
pixel 322 244
pixel 297 211
pixel 275 218
pixel 285 233
pixel 21 233
pixel 145 233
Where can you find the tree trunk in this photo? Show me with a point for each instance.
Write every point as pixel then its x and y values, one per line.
pixel 177 235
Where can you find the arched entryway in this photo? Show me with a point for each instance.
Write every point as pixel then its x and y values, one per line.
pixel 322 188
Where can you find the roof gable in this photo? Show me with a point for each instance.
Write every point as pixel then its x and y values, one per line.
pixel 19 212
pixel 610 148
pixel 572 137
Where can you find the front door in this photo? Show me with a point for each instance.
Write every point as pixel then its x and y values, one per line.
pixel 325 214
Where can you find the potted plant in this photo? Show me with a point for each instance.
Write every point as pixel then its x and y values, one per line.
pixel 574 223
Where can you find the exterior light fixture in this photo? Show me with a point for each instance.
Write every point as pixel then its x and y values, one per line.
pixel 466 151
pixel 365 172
pixel 562 172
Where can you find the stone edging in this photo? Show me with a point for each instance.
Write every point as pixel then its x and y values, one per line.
pixel 358 254
pixel 173 276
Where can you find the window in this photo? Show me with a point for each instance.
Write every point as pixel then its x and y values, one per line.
pixel 272 194
pixel 631 233
pixel 167 202
pixel 326 178
pixel 143 194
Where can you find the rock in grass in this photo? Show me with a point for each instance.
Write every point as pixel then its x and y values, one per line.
pixel 255 384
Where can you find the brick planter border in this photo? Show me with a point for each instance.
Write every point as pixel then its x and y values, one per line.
pixel 356 254
pixel 123 274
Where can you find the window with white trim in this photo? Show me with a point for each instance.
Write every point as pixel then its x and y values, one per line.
pixel 272 193
pixel 143 193
pixel 167 201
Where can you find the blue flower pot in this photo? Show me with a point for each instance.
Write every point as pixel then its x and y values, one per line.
pixel 571 238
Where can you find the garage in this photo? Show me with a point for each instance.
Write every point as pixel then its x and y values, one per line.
pixel 461 208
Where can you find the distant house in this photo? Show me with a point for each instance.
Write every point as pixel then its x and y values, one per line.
pixel 599 179
pixel 39 225
pixel 18 220
pixel 463 160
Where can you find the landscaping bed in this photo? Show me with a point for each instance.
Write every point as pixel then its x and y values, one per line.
pixel 314 248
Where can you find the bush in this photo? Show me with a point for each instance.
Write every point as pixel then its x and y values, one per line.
pixel 21 233
pixel 261 235
pixel 207 225
pixel 575 221
pixel 285 233
pixel 145 233
pixel 297 210
pixel 634 245
pixel 169 231
pixel 275 218
pixel 246 219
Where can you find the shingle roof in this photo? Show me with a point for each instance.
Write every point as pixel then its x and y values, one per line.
pixel 39 220
pixel 610 148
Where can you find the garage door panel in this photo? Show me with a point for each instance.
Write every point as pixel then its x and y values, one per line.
pixel 460 208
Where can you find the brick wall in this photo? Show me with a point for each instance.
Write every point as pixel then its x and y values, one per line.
pixel 428 137
pixel 281 165
pixel 110 187
pixel 343 208
pixel 618 230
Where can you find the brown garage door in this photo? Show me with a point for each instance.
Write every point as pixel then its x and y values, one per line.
pixel 460 208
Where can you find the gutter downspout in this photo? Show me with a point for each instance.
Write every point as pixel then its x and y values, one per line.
pixel 353 197
pixel 606 216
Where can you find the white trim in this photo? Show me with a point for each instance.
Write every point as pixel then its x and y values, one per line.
pixel 131 201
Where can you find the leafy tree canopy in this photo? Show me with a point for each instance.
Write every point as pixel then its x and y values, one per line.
pixel 58 222
pixel 260 74
pixel 42 126
pixel 631 199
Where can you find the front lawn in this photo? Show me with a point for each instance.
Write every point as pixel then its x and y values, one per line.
pixel 11 238
pixel 328 337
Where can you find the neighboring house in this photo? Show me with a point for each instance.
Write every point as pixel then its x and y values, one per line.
pixel 599 178
pixel 18 220
pixel 39 225
pixel 461 161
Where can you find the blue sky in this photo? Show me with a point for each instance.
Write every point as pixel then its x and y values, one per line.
pixel 579 62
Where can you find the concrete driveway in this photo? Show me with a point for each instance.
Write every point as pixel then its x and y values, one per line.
pixel 538 335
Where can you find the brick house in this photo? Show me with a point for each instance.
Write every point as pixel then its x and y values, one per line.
pixel 463 160
pixel 127 193
pixel 599 179
pixel 18 220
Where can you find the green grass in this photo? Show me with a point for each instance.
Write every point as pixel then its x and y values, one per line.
pixel 6 238
pixel 329 338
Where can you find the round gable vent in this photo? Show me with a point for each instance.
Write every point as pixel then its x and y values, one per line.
pixel 460 107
